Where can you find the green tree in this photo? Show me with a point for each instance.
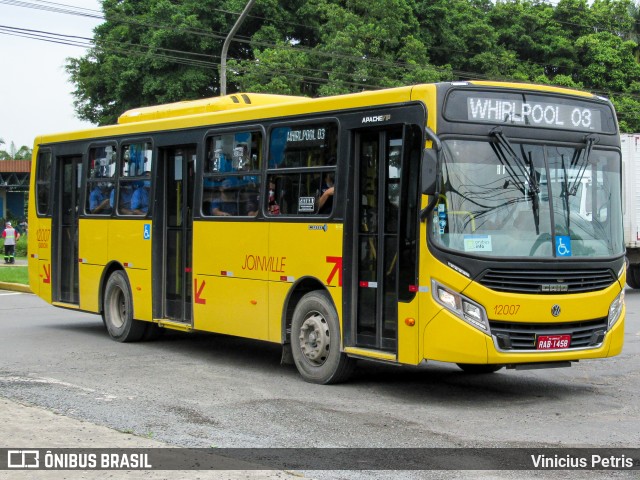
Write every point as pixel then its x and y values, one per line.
pixel 530 29
pixel 628 111
pixel 607 62
pixel 149 52
pixel 614 16
pixel 13 153
pixel 158 51
pixel 458 33
pixel 339 47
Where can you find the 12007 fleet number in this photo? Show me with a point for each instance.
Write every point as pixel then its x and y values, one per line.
pixel 506 309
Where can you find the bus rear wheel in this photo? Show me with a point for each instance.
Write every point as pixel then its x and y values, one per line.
pixel 315 341
pixel 118 310
pixel 479 368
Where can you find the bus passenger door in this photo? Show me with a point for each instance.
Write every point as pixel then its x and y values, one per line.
pixel 383 272
pixel 378 170
pixel 178 168
pixel 65 223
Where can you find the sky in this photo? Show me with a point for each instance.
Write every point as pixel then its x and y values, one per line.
pixel 35 91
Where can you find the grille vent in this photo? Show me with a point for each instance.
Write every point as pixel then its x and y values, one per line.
pixel 522 336
pixel 547 281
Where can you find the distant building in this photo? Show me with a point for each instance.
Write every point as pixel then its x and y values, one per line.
pixel 14 187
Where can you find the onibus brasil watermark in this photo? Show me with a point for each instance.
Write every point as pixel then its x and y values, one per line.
pixel 320 459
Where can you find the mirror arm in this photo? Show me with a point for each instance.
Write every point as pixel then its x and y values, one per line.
pixel 437 146
pixel 434 138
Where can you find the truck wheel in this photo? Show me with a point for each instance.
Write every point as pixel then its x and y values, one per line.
pixel 633 276
pixel 118 310
pixel 478 368
pixel 315 341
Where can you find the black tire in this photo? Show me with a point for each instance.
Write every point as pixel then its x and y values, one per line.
pixel 118 310
pixel 315 341
pixel 478 368
pixel 633 276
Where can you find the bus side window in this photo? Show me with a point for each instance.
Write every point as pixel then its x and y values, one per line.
pixel 43 182
pixel 102 169
pixel 310 149
pixel 135 179
pixel 231 183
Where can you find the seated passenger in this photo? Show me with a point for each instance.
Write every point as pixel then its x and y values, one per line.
pixel 227 203
pixel 124 201
pixel 99 200
pixel 140 199
pixel 325 195
pixel 274 208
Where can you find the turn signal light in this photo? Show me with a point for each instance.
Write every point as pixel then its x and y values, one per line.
pixel 410 321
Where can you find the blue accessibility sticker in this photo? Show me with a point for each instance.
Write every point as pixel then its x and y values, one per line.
pixel 563 246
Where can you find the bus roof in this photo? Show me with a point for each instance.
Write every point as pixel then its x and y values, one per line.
pixel 241 107
pixel 205 105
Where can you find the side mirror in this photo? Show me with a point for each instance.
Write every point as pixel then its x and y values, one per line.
pixel 429 171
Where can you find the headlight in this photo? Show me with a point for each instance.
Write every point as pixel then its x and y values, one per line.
pixel 461 306
pixel 615 309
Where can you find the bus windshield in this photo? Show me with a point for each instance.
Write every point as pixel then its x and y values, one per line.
pixel 510 199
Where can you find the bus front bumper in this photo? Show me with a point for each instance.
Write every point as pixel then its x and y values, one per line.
pixel 446 338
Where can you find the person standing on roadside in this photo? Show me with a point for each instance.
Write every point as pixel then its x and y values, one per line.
pixel 10 238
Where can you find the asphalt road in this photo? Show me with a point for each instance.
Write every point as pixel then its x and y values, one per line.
pixel 201 390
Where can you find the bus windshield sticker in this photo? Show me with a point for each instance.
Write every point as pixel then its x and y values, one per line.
pixel 477 243
pixel 563 246
pixel 306 205
pixel 442 218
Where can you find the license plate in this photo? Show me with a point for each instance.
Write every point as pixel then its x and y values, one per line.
pixel 553 342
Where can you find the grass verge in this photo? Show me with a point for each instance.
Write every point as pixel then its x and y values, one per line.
pixel 14 275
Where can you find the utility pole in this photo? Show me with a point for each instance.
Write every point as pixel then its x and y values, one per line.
pixel 225 47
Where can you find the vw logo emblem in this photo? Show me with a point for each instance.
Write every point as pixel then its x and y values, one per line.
pixel 555 310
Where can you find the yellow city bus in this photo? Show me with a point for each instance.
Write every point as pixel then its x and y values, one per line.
pixel 432 222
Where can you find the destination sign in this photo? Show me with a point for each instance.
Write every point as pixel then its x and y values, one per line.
pixel 536 114
pixel 307 135
pixel 529 110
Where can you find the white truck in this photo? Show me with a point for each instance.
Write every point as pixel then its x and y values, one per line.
pixel 630 143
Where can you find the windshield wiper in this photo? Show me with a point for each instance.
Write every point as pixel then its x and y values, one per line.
pixel 582 161
pixel 506 152
pixel 566 191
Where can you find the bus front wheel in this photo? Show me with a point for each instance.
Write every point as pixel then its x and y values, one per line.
pixel 315 341
pixel 478 368
pixel 118 310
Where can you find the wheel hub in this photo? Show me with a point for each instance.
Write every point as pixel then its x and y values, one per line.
pixel 315 338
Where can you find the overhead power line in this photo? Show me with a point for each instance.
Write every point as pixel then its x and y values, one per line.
pixel 191 58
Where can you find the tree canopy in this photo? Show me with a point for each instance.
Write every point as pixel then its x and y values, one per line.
pixel 157 51
pixel 14 153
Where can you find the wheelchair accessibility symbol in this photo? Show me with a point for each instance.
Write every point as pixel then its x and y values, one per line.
pixel 563 246
pixel 147 231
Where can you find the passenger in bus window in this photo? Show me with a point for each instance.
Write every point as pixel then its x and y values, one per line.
pixel 208 196
pixel 325 194
pixel 140 198
pixel 274 208
pixel 124 201
pixel 249 200
pixel 227 203
pixel 99 201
